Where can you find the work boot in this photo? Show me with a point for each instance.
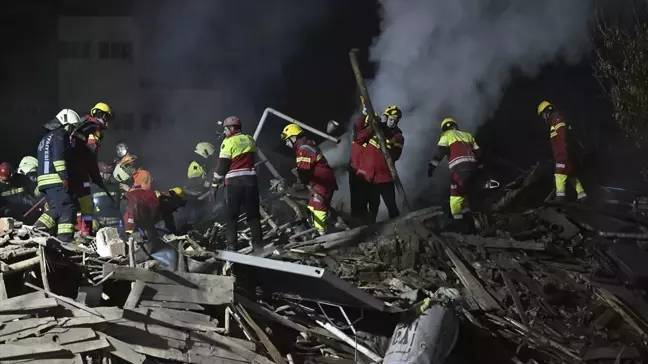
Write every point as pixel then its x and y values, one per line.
pixel 582 198
pixel 560 199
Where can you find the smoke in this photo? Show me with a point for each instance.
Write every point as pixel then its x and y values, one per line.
pixel 440 58
pixel 204 60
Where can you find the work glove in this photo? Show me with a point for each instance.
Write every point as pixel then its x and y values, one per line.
pixel 124 187
pixel 431 168
pixel 383 119
pixel 66 184
pixel 207 183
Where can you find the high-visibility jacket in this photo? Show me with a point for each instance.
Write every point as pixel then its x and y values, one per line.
pixel 196 170
pixel 375 165
pixel 362 132
pixel 461 149
pixel 15 193
pixel 52 164
pixel 236 160
pixel 558 134
pixel 313 168
pixel 142 179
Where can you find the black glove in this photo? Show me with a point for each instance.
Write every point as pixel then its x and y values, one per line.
pixel 431 168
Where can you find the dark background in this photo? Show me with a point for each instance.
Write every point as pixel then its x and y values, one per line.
pixel 315 83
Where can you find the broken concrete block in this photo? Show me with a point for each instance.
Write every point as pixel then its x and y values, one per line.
pixel 109 243
pixel 6 225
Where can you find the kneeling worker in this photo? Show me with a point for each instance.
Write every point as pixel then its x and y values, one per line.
pixel 145 208
pixel 314 171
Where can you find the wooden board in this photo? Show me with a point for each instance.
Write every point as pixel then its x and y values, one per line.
pixel 60 336
pixel 175 293
pixel 191 280
pixel 153 316
pixel 14 351
pixel 123 350
pixel 169 305
pixel 27 302
pixel 20 329
pixel 135 294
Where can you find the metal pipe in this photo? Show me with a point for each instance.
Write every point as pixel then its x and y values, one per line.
pixel 270 110
pixel 351 342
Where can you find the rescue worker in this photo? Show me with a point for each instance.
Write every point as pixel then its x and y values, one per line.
pixel 377 173
pixel 559 133
pixel 314 171
pixel 28 167
pixel 85 141
pixel 140 178
pixel 197 171
pixel 15 196
pixel 463 160
pixel 235 169
pixel 122 150
pixel 53 177
pixel 145 208
pixel 358 185
pixel 106 210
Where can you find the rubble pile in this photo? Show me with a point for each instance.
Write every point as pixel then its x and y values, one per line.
pixel 557 284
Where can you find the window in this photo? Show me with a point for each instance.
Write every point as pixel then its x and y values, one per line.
pixel 116 50
pixel 151 122
pixel 74 50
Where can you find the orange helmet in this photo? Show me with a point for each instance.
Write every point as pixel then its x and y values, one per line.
pixel 128 159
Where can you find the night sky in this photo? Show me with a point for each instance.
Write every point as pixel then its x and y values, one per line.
pixel 316 82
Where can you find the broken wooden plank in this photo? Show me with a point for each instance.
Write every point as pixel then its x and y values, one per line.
pixel 186 316
pixel 123 350
pixel 265 340
pixel 516 298
pixel 497 243
pixel 15 330
pixel 65 299
pixel 175 293
pixel 481 296
pixel 87 346
pixel 135 294
pixel 231 344
pixel 9 305
pixel 150 315
pixel 60 336
pixel 38 304
pixel 14 351
pixel 262 311
pixel 20 266
pixel 191 280
pixel 3 289
pixel 172 305
pixel 77 317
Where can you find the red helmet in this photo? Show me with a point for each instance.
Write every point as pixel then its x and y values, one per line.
pixel 5 171
pixel 232 121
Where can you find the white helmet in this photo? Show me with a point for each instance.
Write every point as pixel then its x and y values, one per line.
pixel 120 173
pixel 205 149
pixel 68 117
pixel 27 165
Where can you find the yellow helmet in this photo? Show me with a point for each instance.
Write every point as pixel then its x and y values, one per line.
pixel 447 121
pixel 291 130
pixel 393 110
pixel 101 107
pixel 177 191
pixel 543 105
pixel 205 149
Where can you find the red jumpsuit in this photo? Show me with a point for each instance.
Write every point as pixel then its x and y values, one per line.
pixel 313 169
pixel 85 170
pixel 377 173
pixel 564 168
pixel 358 185
pixel 145 208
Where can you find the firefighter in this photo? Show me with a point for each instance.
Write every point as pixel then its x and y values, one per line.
pixel 106 210
pixel 377 173
pixel 145 208
pixel 197 171
pixel 559 133
pixel 85 142
pixel 236 170
pixel 15 196
pixel 358 185
pixel 53 177
pixel 28 167
pixel 314 171
pixel 463 160
pixel 140 178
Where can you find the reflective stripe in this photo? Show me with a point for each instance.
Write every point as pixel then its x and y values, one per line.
pixel 459 160
pixel 435 162
pixel 13 192
pixel 240 172
pixel 303 159
pixel 59 166
pixel 102 194
pixel 65 228
pixel 560 165
pixel 86 184
pixel 47 220
pixel 49 179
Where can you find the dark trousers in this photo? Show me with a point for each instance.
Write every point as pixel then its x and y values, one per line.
pixel 61 213
pixel 359 196
pixel 386 191
pixel 244 198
